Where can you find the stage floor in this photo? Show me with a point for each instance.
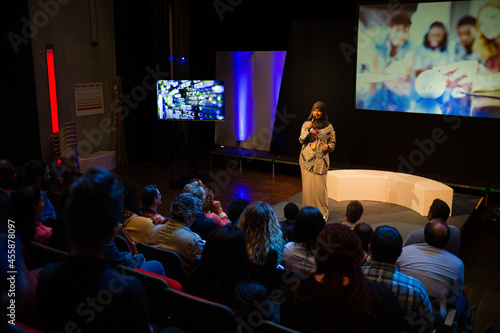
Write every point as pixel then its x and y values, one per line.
pixel 379 213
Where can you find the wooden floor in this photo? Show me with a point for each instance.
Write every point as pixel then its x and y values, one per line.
pixel 481 244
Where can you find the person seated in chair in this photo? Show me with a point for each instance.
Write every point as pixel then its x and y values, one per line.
pixel 176 235
pixel 441 272
pixel 202 224
pixel 385 246
pixel 82 292
pixel 298 253
pixel 290 211
pixel 36 172
pixel 223 275
pixel 151 199
pixel 353 213
pixel 438 210
pixel 137 227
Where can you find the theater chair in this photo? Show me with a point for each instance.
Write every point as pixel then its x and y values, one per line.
pixel 460 317
pixel 40 255
pixel 194 314
pixel 172 263
pixel 154 285
pixel 122 244
pixel 270 327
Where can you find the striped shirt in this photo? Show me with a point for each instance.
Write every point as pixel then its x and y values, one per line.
pixel 411 293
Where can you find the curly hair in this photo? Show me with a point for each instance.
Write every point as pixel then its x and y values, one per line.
pixel 484 47
pixel 262 232
pixel 184 206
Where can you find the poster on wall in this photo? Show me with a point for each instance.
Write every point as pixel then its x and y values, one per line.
pixel 88 98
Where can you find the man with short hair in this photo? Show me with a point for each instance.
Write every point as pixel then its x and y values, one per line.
pixel 385 247
pixel 353 213
pixel 83 293
pixel 176 235
pixel 441 272
pixel 202 224
pixel 438 210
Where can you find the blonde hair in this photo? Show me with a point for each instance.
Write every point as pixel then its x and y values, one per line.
pixel 262 232
pixel 484 47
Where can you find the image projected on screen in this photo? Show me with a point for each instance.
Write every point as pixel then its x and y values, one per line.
pixel 191 99
pixel 431 58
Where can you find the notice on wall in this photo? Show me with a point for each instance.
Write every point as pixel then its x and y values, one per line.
pixel 88 98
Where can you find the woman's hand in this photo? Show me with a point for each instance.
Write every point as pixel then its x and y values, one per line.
pixel 324 147
pixel 217 207
pixel 309 125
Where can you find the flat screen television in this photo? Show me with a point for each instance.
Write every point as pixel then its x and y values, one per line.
pixel 429 57
pixel 191 100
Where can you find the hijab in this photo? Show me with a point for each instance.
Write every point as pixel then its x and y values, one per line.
pixel 323 121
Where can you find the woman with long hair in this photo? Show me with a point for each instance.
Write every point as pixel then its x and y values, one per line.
pixel 317 137
pixel 298 254
pixel 337 297
pixel 263 237
pixel 222 274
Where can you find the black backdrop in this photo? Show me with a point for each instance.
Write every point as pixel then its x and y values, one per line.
pixel 460 150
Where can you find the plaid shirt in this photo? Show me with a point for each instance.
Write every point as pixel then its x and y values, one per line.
pixel 411 293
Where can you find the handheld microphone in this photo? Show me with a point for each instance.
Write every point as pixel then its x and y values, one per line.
pixel 313 119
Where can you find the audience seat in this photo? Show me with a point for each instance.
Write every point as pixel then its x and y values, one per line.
pixel 40 255
pixel 122 244
pixel 170 260
pixel 194 314
pixel 153 286
pixel 270 327
pixel 460 317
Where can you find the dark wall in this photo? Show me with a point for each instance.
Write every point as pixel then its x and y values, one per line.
pixel 20 139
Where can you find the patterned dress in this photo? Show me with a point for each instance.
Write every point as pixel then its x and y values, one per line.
pixel 314 164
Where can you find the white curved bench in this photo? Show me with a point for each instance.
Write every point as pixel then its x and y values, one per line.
pixel 413 192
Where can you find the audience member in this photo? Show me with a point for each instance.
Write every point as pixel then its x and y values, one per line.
pixel 434 49
pixel 298 254
pixel 236 207
pixel 291 210
pixel 441 272
pixel 176 234
pixel 438 210
pixel 151 199
pixel 202 225
pixel 223 275
pixel 353 213
pixel 337 297
pixel 36 172
pixel 82 292
pixel 263 237
pixel 386 246
pixel 25 210
pixel 364 232
pixel 466 29
pixel 213 209
pixel 135 228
